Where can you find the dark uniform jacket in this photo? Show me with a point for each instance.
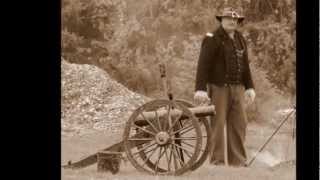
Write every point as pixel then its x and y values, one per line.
pixel 222 61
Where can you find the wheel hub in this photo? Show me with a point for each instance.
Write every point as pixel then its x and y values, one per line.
pixel 162 138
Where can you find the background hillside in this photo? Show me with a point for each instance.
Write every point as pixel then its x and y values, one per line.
pixel 129 38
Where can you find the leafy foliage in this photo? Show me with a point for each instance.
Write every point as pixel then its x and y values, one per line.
pixel 130 38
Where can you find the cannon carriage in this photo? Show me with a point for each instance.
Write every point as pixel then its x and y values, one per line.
pixel 161 137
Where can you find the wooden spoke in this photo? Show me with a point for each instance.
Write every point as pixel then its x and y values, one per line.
pixel 174 158
pixel 149 122
pixel 144 130
pixel 144 148
pixel 156 165
pixel 141 139
pixel 185 138
pixel 158 120
pixel 167 158
pixel 160 156
pixel 169 116
pixel 169 110
pixel 177 156
pixel 170 158
pixel 189 129
pixel 176 120
pixel 182 148
pixel 186 131
pixel 179 130
pixel 148 158
pixel 190 145
pixel 151 150
pixel 187 153
pixel 180 155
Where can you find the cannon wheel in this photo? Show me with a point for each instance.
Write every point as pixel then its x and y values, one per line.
pixel 162 139
pixel 206 138
pixel 204 148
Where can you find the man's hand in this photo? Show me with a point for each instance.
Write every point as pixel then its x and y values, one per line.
pixel 250 95
pixel 201 97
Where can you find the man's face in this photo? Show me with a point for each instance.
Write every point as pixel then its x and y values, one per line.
pixel 229 23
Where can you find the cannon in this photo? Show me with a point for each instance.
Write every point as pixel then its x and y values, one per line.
pixel 161 137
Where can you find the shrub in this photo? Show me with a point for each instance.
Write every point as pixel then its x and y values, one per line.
pixel 130 38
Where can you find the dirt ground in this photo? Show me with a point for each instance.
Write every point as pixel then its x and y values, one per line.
pixel 75 148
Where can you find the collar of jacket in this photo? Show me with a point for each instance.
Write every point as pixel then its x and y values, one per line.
pixel 223 34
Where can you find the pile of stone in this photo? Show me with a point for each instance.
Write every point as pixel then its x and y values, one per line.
pixel 91 100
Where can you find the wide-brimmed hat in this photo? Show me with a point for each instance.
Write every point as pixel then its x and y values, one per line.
pixel 230 12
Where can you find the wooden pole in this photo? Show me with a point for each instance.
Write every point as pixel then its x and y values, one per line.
pixel 225 148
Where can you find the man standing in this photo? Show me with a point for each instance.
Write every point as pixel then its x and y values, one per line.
pixel 224 76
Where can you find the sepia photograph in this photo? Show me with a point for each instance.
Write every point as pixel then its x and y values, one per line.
pixel 178 89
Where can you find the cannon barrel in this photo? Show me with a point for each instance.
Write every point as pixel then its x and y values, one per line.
pixel 199 111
